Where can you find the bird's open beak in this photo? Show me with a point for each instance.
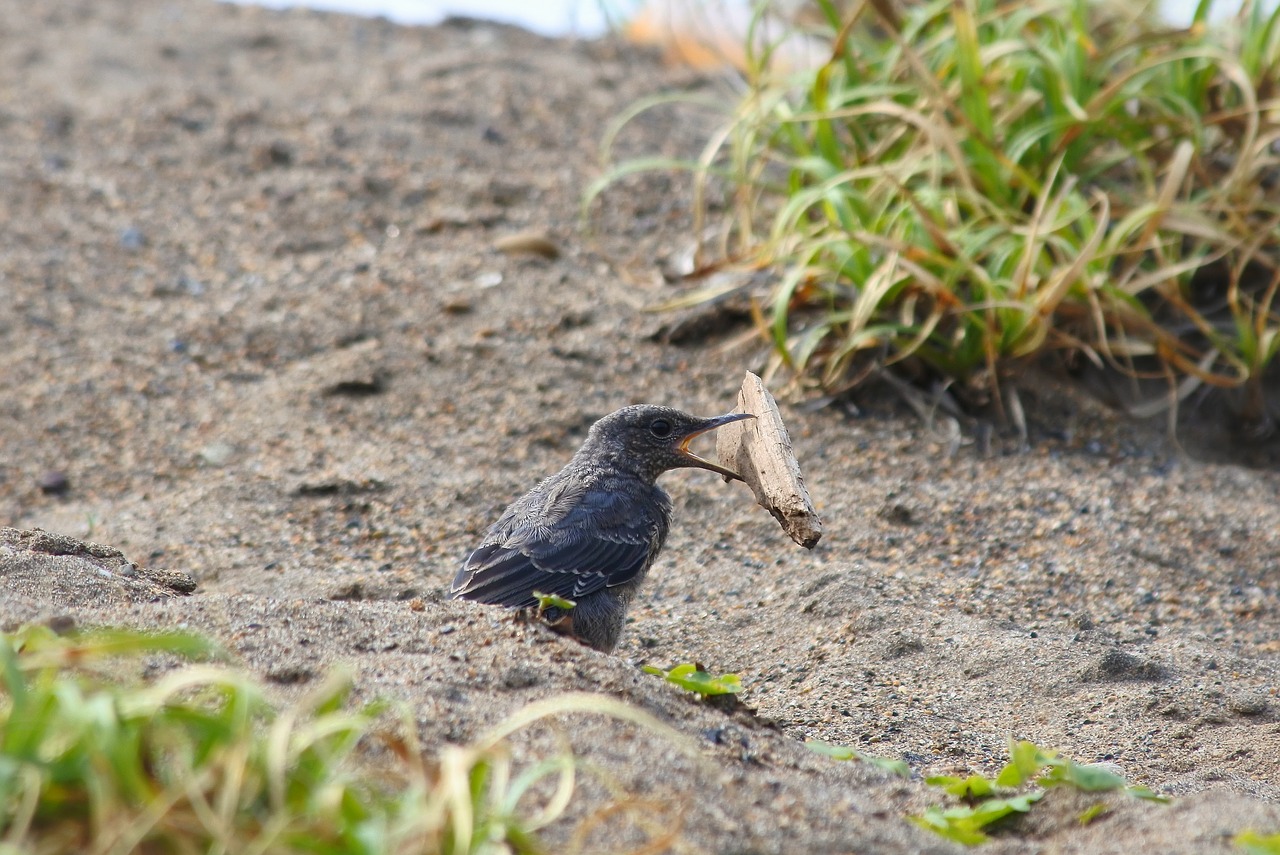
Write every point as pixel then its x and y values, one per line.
pixel 710 425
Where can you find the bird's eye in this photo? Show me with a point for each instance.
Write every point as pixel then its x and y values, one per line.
pixel 661 428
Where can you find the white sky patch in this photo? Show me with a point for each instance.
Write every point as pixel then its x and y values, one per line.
pixel 588 18
pixel 549 17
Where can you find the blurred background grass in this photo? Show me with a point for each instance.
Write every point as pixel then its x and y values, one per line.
pixel 953 190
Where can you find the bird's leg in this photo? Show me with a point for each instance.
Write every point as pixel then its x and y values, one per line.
pixel 559 621
pixel 555 616
pixel 555 619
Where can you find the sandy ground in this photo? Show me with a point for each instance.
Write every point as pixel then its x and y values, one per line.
pixel 255 333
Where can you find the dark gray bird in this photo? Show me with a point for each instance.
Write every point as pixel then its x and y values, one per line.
pixel 590 532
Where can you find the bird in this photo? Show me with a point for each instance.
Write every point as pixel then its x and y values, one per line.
pixel 590 532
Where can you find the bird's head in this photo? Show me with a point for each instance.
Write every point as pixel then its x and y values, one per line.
pixel 651 440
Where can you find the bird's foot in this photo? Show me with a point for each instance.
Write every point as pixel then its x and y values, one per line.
pixel 560 620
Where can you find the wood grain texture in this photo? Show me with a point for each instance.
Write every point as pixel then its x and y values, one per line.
pixel 759 450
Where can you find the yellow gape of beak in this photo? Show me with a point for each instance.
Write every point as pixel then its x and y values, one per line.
pixel 710 425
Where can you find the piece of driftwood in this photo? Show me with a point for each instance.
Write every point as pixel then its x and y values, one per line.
pixel 759 450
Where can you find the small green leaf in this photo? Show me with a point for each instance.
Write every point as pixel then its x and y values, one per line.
pixel 551 601
pixel 965 824
pixel 1148 794
pixel 1091 813
pixel 1254 843
pixel 959 830
pixel 992 809
pixel 842 752
pixel 888 764
pixel 1026 761
pixel 972 787
pixel 827 749
pixel 688 676
pixel 1086 777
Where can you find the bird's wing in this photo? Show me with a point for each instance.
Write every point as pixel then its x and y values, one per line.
pixel 570 544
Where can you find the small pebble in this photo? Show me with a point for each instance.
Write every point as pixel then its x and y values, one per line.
pixel 54 483
pixel 279 153
pixel 530 242
pixel 521 677
pixel 1248 703
pixel 217 453
pixel 1117 665
pixel 190 285
pixel 61 624
pixel 132 238
pixel 349 592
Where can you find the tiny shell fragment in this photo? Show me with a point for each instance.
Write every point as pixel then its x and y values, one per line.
pixel 528 243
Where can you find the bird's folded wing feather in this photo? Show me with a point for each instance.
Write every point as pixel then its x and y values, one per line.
pixel 584 544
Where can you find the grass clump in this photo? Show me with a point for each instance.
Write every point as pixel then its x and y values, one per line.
pixel 965 185
pixel 198 761
pixel 987 800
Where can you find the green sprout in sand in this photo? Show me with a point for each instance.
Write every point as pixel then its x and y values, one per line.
pixel 692 677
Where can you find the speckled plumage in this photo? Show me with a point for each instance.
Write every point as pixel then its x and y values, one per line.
pixel 590 532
